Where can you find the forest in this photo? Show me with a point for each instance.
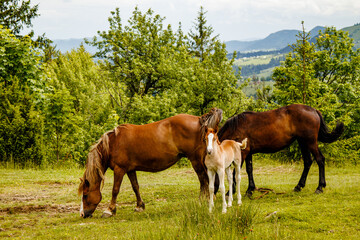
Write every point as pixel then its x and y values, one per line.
pixel 55 105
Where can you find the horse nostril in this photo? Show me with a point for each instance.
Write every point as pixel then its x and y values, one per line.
pixel 86 214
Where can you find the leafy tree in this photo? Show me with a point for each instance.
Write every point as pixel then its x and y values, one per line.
pixel 19 59
pixel 78 109
pixel 200 40
pixel 296 75
pixel 216 82
pixel 15 14
pixel 141 59
pixel 137 53
pixel 21 85
pixel 324 75
pixel 21 140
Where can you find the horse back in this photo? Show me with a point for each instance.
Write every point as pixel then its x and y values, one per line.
pixel 274 130
pixel 154 146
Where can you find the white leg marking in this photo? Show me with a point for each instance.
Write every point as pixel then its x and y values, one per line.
pixel 211 176
pixel 230 181
pixel 221 173
pixel 238 181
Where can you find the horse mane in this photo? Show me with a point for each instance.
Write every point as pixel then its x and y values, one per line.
pixel 232 124
pixel 99 152
pixel 210 120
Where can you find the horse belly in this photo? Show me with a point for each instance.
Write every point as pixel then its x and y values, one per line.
pixel 270 142
pixel 152 157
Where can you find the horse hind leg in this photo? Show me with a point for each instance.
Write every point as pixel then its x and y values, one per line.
pixel 230 181
pixel 140 205
pixel 307 164
pixel 118 177
pixel 238 181
pixel 320 160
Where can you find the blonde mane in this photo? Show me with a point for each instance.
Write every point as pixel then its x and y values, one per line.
pixel 210 120
pixel 94 166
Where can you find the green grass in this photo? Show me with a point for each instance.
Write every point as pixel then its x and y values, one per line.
pixel 43 204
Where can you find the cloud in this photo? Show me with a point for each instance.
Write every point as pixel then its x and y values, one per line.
pixel 232 19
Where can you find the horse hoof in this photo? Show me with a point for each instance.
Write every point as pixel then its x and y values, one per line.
pixel 297 189
pixel 318 191
pixel 138 209
pixel 106 214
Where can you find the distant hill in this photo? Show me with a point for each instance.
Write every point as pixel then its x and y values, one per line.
pixel 274 41
pixel 278 41
pixel 66 45
pixel 354 33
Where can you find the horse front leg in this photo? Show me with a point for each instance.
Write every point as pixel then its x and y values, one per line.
pixel 118 177
pixel 211 175
pixel 140 205
pixel 198 164
pixel 221 173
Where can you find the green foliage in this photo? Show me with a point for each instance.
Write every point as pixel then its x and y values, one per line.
pixel 16 14
pixel 324 75
pixel 18 59
pixel 77 110
pixel 20 126
pixel 154 73
pixel 20 119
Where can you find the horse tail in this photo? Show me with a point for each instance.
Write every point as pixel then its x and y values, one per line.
pixel 243 144
pixel 325 135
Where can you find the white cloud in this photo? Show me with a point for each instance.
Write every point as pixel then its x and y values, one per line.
pixel 232 19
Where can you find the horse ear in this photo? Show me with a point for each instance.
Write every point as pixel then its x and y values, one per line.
pixel 81 180
pixel 216 129
pixel 206 128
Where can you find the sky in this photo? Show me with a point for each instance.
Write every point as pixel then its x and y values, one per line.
pixel 230 19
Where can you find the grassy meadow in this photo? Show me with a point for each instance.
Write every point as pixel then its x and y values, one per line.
pixel 43 204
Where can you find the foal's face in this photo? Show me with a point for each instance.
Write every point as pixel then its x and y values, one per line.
pixel 210 139
pixel 90 199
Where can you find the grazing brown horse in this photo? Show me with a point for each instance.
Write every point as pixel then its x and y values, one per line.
pixel 152 147
pixel 271 131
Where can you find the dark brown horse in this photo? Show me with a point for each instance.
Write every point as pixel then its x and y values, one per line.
pixel 271 131
pixel 152 147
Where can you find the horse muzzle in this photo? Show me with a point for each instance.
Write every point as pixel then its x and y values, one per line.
pixel 86 214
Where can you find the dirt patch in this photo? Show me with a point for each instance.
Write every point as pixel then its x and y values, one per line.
pixel 40 208
pixel 271 170
pixel 21 198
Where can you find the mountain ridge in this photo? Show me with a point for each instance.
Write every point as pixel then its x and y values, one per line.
pixel 275 41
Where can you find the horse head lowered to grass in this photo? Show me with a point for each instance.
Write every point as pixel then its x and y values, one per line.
pixel 151 147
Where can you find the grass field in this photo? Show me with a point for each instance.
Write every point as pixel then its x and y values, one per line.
pixel 43 204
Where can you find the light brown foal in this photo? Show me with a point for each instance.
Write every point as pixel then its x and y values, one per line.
pixel 218 159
